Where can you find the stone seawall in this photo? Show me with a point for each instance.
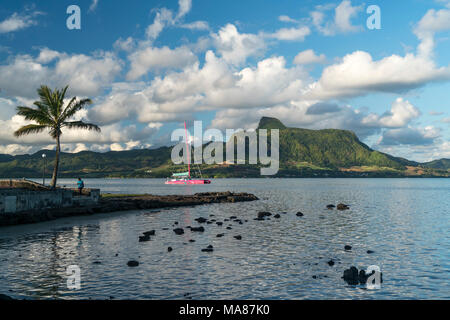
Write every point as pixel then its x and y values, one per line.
pixel 126 203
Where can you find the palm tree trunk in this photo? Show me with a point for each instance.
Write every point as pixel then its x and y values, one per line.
pixel 55 170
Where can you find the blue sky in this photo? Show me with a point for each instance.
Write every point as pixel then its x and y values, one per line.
pixel 150 65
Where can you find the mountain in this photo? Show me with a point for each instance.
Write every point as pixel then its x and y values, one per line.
pixel 303 153
pixel 443 164
pixel 329 148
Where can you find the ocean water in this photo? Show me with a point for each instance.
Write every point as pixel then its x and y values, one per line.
pixel 406 223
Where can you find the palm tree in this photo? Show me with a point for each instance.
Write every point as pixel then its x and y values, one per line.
pixel 51 115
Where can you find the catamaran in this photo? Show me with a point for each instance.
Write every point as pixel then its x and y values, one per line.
pixel 185 177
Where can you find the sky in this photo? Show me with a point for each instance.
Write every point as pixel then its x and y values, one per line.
pixel 150 65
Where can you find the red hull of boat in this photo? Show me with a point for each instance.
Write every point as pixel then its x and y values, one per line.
pixel 199 181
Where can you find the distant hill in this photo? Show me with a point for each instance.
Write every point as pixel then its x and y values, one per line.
pixel 329 148
pixel 303 153
pixel 443 164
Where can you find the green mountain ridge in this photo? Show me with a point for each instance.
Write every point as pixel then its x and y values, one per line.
pixel 303 153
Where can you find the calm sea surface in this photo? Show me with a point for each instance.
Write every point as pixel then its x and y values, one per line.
pixel 406 222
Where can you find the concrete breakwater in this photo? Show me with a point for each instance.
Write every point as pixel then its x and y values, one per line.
pixel 124 203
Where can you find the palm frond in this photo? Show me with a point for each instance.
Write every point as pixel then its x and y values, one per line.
pixel 29 129
pixel 34 115
pixel 47 98
pixel 74 107
pixel 81 125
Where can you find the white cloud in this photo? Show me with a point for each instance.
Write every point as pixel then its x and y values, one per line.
pixel 93 5
pixel 126 45
pixel 166 18
pixel 343 14
pixel 358 74
pixel 400 115
pixel 184 7
pixel 309 57
pixel 288 19
pixel 14 149
pixel 432 22
pixel 236 47
pixel 410 136
pixel 17 22
pixel 149 59
pixel 291 34
pixel 196 25
pixel 86 75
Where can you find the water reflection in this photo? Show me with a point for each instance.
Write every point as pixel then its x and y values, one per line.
pixel 404 221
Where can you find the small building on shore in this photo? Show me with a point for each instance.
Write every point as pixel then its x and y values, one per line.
pixel 28 196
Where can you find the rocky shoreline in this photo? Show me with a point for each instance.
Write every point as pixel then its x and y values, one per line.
pixel 126 203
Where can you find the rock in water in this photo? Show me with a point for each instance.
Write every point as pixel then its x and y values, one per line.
pixel 331 263
pixel 277 216
pixel 330 206
pixel 370 251
pixel 144 238
pixel 133 263
pixel 342 206
pixel 178 231
pixel 263 214
pixel 169 249
pixel 201 220
pixel 351 276
pixel 219 223
pixel 238 237
pixel 209 248
pixel 149 233
pixel 299 214
pixel 348 248
pixel 220 235
pixel 199 229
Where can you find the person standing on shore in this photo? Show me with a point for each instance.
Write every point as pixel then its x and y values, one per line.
pixel 80 184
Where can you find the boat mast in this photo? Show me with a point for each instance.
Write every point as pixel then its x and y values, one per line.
pixel 188 150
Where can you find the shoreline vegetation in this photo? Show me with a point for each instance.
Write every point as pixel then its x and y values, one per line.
pixel 119 203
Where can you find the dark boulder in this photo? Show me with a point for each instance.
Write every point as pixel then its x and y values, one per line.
pixel 348 248
pixel 351 276
pixel 220 235
pixel 132 263
pixel 277 216
pixel 233 217
pixel 169 249
pixel 238 237
pixel 331 263
pixel 149 233
pixel 209 248
pixel 144 238
pixel 299 214
pixel 264 214
pixel 342 207
pixel 370 251
pixel 219 223
pixel 331 206
pixel 199 229
pixel 201 220
pixel 178 231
